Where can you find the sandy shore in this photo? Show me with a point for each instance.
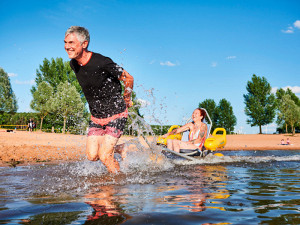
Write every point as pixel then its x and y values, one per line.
pixel 35 147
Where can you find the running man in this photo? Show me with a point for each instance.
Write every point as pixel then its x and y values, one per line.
pixel 99 78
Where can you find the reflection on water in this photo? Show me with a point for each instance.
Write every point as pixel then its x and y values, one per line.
pixel 199 192
pixel 261 188
pixel 107 209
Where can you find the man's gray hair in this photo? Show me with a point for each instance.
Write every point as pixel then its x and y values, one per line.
pixel 81 33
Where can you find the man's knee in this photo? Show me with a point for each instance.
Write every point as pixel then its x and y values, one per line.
pixel 92 157
pixel 106 157
pixel 92 148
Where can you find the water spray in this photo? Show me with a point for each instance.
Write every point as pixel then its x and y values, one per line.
pixel 152 147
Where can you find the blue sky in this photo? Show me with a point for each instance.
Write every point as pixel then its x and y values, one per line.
pixel 179 52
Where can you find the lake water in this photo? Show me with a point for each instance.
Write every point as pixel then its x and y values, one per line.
pixel 244 187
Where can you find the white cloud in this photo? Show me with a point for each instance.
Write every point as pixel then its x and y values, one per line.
pixel 297 24
pixel 274 89
pixel 12 74
pixel 289 30
pixel 25 82
pixel 214 64
pixel 294 89
pixel 167 63
pixel 231 57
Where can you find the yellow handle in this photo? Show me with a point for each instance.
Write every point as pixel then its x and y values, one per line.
pixel 173 127
pixel 219 129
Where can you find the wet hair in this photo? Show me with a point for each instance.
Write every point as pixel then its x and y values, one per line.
pixel 203 113
pixel 81 33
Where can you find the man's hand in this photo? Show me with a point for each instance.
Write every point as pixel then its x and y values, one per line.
pixel 128 102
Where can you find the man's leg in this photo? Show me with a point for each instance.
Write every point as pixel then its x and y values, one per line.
pixel 92 147
pixel 102 147
pixel 102 141
pixel 106 153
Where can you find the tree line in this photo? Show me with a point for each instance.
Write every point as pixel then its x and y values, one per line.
pixel 262 106
pixel 57 100
pixel 221 115
pixel 58 92
pixel 8 102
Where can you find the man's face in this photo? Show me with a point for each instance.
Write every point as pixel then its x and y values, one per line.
pixel 73 47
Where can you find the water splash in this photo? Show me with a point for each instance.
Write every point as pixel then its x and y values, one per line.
pixel 212 159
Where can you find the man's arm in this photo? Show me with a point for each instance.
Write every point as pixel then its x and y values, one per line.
pixel 128 86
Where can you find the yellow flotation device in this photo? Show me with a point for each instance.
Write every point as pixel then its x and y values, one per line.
pixel 216 141
pixel 163 141
pixel 211 143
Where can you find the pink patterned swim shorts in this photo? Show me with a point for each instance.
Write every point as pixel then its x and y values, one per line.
pixel 113 128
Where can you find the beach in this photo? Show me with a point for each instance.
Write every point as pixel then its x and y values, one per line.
pixel 23 147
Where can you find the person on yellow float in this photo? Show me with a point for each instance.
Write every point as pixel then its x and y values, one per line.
pixel 197 135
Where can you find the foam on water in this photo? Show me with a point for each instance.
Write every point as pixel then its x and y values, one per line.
pixel 138 168
pixel 212 159
pixel 77 177
pixel 143 166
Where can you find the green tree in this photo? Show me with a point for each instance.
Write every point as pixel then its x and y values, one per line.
pixel 279 95
pixel 8 102
pixel 289 111
pixel 211 108
pixel 281 92
pixel 224 116
pixel 260 103
pixel 54 72
pixel 42 99
pixel 135 109
pixel 18 119
pixel 67 102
